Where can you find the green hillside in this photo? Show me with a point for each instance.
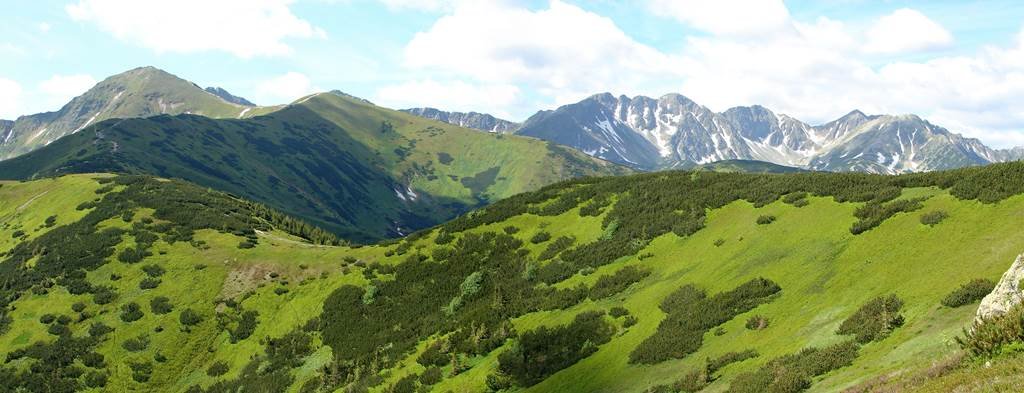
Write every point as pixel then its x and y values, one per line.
pixel 362 171
pixel 667 281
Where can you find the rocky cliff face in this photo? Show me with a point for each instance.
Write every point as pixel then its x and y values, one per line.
pixel 1006 294
pixel 226 96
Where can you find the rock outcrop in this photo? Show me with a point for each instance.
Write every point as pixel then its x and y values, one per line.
pixel 1006 294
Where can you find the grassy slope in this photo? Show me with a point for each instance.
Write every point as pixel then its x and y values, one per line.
pixel 825 273
pixel 324 159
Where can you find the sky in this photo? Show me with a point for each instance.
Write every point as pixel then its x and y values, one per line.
pixel 958 64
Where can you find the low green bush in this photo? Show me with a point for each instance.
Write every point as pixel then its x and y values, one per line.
pixel 874 320
pixel 968 293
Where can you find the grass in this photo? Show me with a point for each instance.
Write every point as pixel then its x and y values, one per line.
pixel 825 273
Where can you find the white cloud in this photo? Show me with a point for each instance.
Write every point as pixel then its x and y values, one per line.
pixel 740 17
pixel 60 89
pixel 245 28
pixel 285 88
pixel 814 70
pixel 43 27
pixel 456 96
pixel 563 52
pixel 906 30
pixel 422 5
pixel 10 97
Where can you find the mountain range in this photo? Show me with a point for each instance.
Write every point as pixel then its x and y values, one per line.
pixel 362 171
pixel 675 132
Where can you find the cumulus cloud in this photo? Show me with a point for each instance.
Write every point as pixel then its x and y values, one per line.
pixel 562 51
pixel 740 17
pixel 422 5
pixel 285 88
pixel 244 28
pixel 454 95
pixel 906 30
pixel 10 95
pixel 60 89
pixel 815 70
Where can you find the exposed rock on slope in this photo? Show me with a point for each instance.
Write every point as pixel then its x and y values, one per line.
pixel 1006 294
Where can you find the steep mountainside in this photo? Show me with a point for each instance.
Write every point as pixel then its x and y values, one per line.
pixel 474 120
pixel 140 92
pixel 683 133
pixel 666 282
pixel 362 171
pixel 223 94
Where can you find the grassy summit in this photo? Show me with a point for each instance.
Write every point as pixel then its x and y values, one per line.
pixel 570 288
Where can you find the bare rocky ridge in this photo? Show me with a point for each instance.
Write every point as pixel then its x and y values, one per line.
pixel 474 120
pixel 1006 294
pixel 674 131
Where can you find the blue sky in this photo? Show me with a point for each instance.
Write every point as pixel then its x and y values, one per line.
pixel 958 64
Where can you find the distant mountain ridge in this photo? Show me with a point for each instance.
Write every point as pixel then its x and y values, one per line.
pixel 474 120
pixel 140 92
pixel 674 131
pixel 223 94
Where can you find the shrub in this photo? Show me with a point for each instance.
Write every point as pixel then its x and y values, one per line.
pixel 757 322
pixel 433 356
pixel 149 283
pixel 280 291
pixel 793 373
pixel 628 321
pixel 95 379
pixel 933 217
pixel 218 368
pixel 726 359
pixel 560 244
pixel 103 295
pixel 18 233
pixel 431 376
pixel 793 198
pixel 47 319
pixel 93 360
pixel 801 203
pixel 765 219
pixel 405 385
pixel 133 255
pixel 160 305
pixel 510 230
pixel 995 335
pixel 691 313
pixel 136 344
pixel 540 237
pixel 444 238
pixel 609 285
pixel 618 311
pixel 131 312
pixel 78 307
pixel 246 326
pixel 141 371
pixel 50 221
pixel 154 270
pixel 99 329
pixel 874 320
pixel 539 353
pixel 719 242
pixel 969 293
pixel 189 317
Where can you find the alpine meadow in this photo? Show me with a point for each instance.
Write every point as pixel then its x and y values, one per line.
pixel 511 197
